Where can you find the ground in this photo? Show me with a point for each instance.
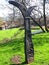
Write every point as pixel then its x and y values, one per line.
pixel 12 44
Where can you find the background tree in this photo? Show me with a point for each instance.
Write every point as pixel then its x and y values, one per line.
pixel 44 2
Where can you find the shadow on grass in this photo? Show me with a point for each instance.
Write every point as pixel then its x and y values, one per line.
pixel 16 44
pixel 12 42
pixel 19 64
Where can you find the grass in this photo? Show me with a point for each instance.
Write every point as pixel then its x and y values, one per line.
pixel 16 47
pixel 7 33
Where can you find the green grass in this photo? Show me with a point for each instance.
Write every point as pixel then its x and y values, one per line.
pixel 7 33
pixel 16 47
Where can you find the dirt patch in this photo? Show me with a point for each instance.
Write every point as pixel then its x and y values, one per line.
pixel 5 40
pixel 16 60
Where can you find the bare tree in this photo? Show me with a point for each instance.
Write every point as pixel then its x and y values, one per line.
pixel 44 2
pixel 27 3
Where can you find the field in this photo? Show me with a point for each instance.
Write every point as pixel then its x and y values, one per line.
pixel 12 43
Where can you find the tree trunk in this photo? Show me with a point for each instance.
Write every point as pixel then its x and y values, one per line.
pixel 29 49
pixel 44 15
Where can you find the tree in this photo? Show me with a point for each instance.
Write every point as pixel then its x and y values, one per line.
pixel 44 2
pixel 29 49
pixel 37 16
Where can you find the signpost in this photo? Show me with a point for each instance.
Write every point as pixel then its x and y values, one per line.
pixel 28 45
